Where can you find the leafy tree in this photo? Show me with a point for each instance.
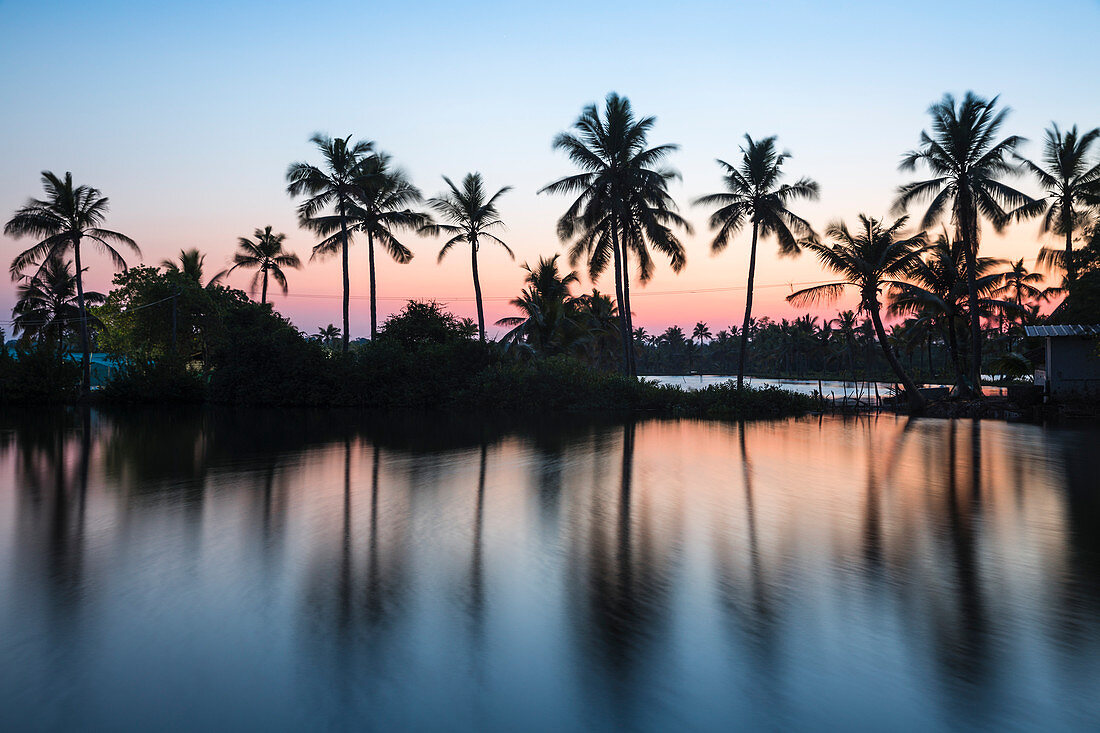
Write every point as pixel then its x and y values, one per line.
pixel 868 260
pixel 967 163
pixel 1071 180
pixel 332 186
pixel 425 322
pixel 755 196
pixel 266 255
pixel 64 220
pixel 470 216
pixel 622 205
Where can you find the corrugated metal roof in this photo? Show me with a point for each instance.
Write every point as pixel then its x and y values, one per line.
pixel 1062 330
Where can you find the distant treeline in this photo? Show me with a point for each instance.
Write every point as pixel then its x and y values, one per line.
pixel 956 305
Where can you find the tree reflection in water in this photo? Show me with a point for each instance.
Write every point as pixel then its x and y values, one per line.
pixel 481 572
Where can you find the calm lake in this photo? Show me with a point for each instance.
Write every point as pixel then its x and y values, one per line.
pixel 279 570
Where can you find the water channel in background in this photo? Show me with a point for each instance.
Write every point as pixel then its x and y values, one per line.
pixel 277 570
pixel 833 388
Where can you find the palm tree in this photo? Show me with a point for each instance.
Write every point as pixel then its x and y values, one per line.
pixel 868 260
pixel 189 264
pixel 64 219
pixel 332 187
pixel 701 332
pixel 967 162
pixel 265 253
pixel 754 195
pixel 622 203
pixel 936 291
pixel 380 207
pixel 1071 181
pixel 547 324
pixel 1018 284
pixel 470 217
pixel 47 303
pixel 328 335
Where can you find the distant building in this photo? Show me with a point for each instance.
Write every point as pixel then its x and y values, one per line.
pixel 1072 360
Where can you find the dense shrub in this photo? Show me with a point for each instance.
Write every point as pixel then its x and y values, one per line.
pixel 164 381
pixel 38 374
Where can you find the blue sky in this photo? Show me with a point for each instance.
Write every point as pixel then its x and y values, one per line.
pixel 187 115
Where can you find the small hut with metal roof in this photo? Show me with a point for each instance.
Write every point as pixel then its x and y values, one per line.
pixel 1072 360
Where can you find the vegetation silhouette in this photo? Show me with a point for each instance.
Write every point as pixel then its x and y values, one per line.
pixel 68 216
pixel 622 203
pixel 469 216
pixel 264 253
pixel 754 196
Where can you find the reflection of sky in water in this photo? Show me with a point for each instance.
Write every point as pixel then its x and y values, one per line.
pixel 292 569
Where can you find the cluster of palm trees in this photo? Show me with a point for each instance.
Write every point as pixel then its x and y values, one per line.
pixel 621 212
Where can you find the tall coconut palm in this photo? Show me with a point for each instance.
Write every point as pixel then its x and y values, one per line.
pixel 46 305
pixel 1071 179
pixel 64 220
pixel 868 260
pixel 333 186
pixel 189 263
pixel 469 215
pixel 622 204
pixel 382 196
pixel 755 196
pixel 967 162
pixel 264 253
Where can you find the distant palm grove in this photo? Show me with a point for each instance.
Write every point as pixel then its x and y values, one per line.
pixel 930 306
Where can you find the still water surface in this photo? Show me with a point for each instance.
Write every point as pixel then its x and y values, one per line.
pixel 293 570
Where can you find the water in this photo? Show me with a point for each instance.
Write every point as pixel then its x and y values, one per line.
pixel 828 387
pixel 293 570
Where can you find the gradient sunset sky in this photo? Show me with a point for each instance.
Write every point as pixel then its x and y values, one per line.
pixel 186 116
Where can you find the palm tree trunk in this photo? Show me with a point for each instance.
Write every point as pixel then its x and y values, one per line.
pixel 347 278
pixel 263 292
pixel 629 318
pixel 916 401
pixel 953 352
pixel 85 346
pixel 970 250
pixel 748 307
pixel 477 291
pixel 373 297
pixel 1067 224
pixel 620 300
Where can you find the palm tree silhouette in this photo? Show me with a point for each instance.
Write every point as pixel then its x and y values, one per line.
pixel 67 217
pixel 189 264
pixel 328 335
pixel 46 303
pixel 868 260
pixel 332 187
pixel 266 255
pixel 936 292
pixel 967 162
pixel 470 216
pixel 754 195
pixel 1072 182
pixel 622 203
pixel 382 195
pixel 548 324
